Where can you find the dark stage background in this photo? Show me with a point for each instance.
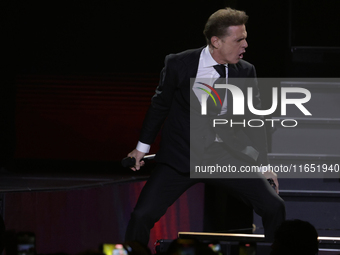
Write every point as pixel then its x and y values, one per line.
pixel 77 80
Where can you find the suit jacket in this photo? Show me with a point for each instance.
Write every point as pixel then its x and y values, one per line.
pixel 183 121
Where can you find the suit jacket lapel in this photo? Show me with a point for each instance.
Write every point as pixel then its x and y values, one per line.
pixel 233 71
pixel 191 63
pixel 235 77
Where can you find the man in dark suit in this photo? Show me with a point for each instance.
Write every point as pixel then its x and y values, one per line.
pixel 177 106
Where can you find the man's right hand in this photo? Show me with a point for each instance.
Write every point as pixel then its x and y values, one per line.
pixel 138 155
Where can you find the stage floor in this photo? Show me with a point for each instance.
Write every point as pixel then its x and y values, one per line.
pixel 49 175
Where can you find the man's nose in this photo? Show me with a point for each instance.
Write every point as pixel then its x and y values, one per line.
pixel 245 44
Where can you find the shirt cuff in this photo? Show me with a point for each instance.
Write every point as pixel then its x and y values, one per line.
pixel 143 147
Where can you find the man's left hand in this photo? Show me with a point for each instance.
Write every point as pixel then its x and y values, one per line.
pixel 271 175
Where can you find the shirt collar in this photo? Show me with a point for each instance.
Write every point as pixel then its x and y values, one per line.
pixel 207 59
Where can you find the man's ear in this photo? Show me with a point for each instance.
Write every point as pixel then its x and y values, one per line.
pixel 215 42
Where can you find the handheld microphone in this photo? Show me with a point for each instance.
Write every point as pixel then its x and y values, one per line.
pixel 131 161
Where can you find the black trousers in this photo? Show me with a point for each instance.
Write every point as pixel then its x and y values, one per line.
pixel 166 185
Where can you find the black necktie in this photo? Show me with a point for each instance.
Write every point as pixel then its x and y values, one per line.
pixel 221 70
pixel 215 108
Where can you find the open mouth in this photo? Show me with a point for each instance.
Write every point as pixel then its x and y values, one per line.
pixel 241 55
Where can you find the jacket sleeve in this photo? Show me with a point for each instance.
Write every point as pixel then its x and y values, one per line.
pixel 161 101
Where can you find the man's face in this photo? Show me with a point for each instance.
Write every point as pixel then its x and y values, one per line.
pixel 230 49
